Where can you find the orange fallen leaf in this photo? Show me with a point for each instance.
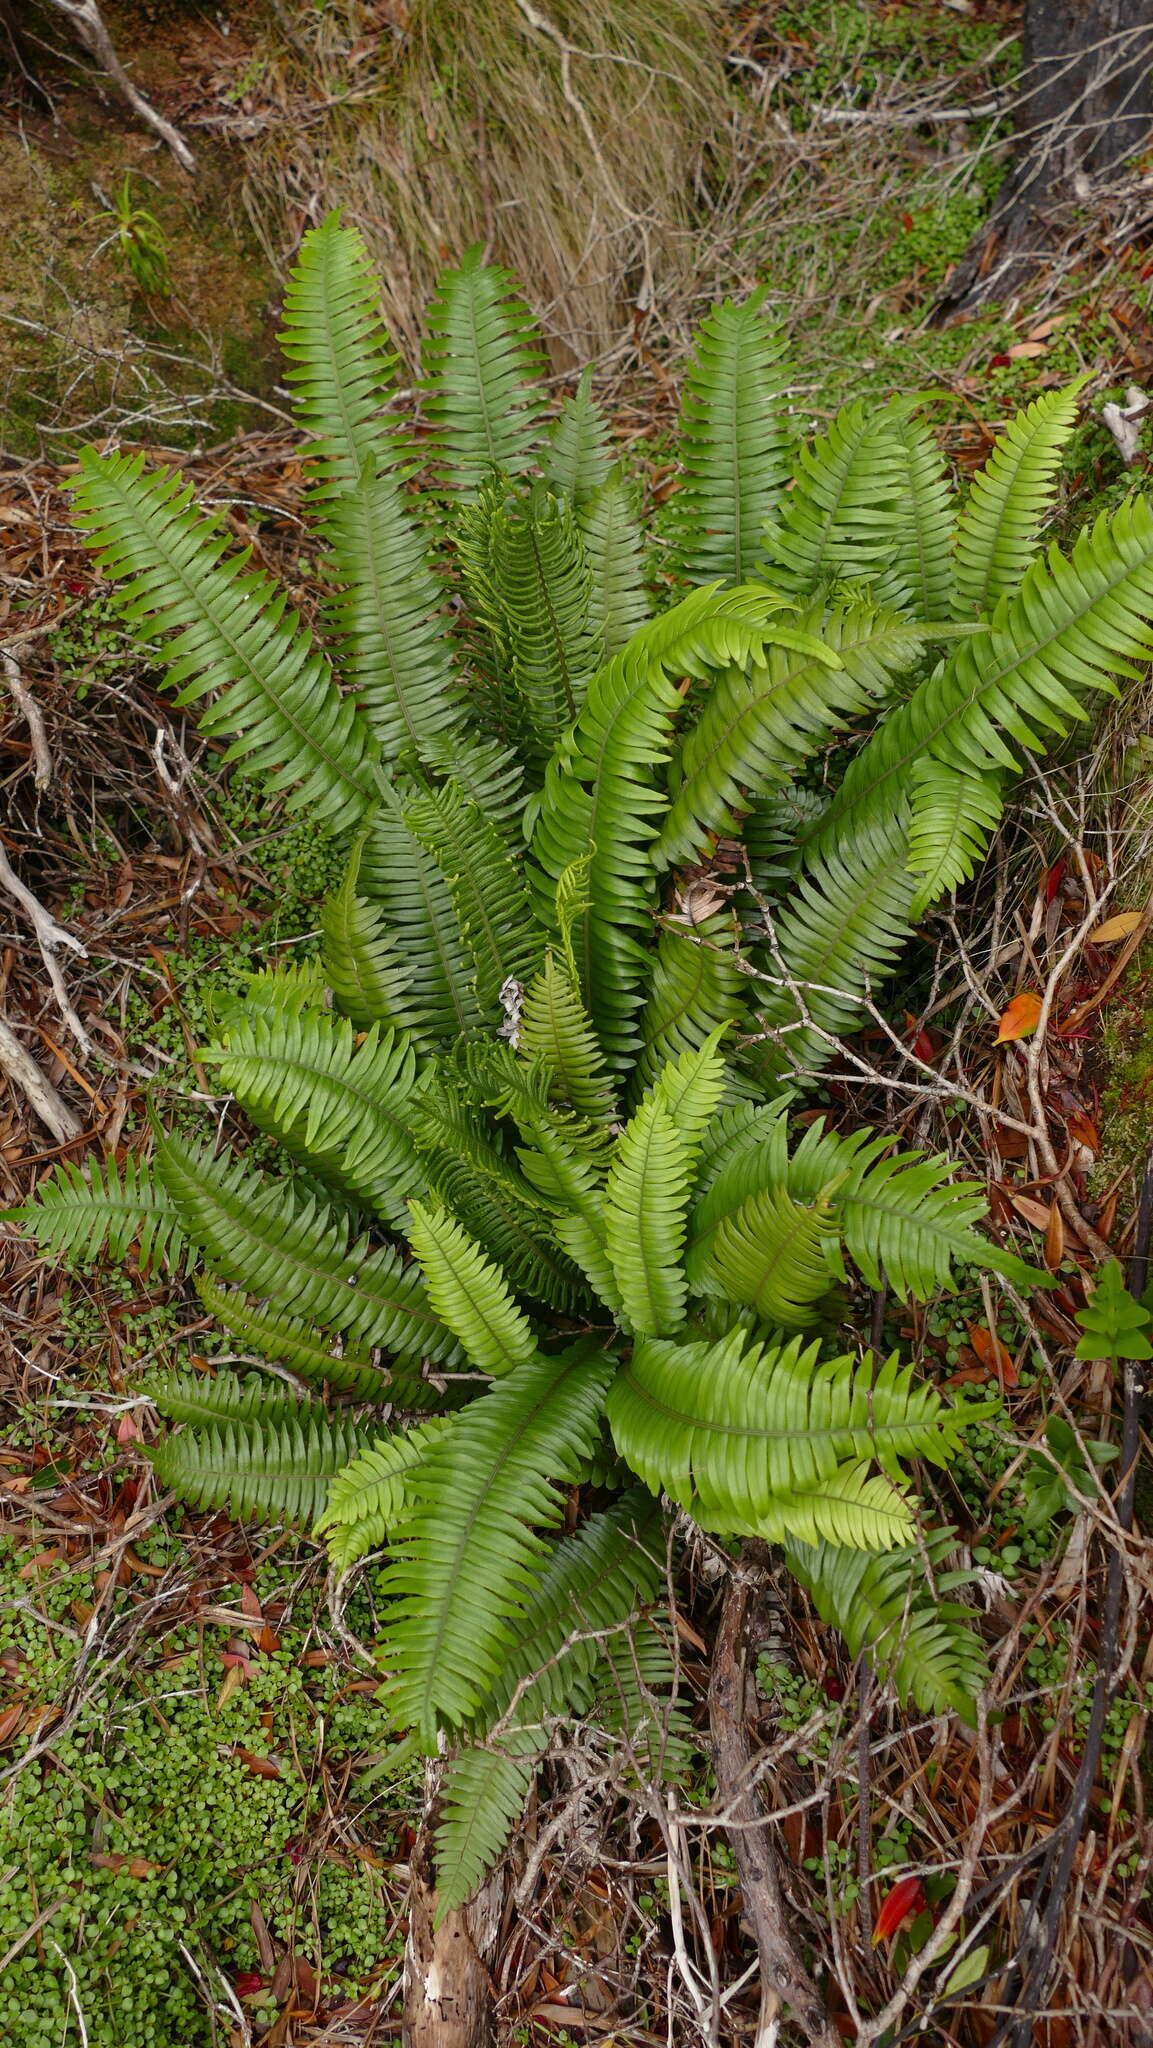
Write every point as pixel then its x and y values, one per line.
pixel 905 1898
pixel 992 1353
pixel 1118 927
pixel 1034 1212
pixel 1021 1018
pixel 1055 1239
pixel 260 1766
pixel 10 1721
pixel 1083 1128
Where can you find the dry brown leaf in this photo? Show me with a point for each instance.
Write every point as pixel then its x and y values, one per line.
pixel 1119 927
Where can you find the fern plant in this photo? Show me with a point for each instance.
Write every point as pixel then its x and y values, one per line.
pixel 543 1222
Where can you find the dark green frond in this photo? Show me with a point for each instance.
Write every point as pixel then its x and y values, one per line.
pixel 1009 499
pixel 269 1472
pixel 891 1609
pixel 274 692
pixel 398 872
pixel 207 1401
pixel 487 888
pixel 735 442
pixel 952 820
pixel 480 372
pixel 102 1208
pixel 312 1354
pixel 364 961
pixel 466 1552
pixel 694 987
pixel 923 562
pixel 336 1100
pixel 614 549
pixel 845 514
pixel 577 455
pixel 341 367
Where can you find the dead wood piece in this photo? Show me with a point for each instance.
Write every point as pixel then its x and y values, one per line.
pixel 785 1982
pixel 26 702
pixel 87 25
pixel 448 1999
pixel 50 936
pixel 22 1070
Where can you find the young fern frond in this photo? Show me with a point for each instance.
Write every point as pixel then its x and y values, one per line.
pixel 644 1209
pixel 265 1236
pixel 1008 500
pixel 398 871
pixel 494 916
pixel 758 727
pixel 923 562
pixel 577 455
pixel 341 366
pixel 312 1354
pixel 555 1029
pixel 764 1439
pixel 367 1496
pixel 777 1256
pixel 734 443
pixel 891 1610
pixel 592 1583
pixel 846 513
pixel 480 372
pixel 335 1101
pixel 614 550
pixel 103 1209
pixel 365 963
pixel 466 1552
pixel 267 1472
pixel 274 692
pixel 469 1293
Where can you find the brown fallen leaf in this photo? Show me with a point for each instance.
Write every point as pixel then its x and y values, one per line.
pixel 992 1353
pixel 1114 928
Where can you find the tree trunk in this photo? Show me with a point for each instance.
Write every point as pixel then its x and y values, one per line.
pixel 447 1988
pixel 1085 106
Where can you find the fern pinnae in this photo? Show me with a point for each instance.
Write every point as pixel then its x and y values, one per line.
pixel 340 365
pixel 469 1293
pixel 103 1208
pixel 486 885
pixel 893 1609
pixel 614 549
pixel 312 1354
pixel 1009 498
pixel 270 1471
pixel 734 442
pixel 480 375
pixel 644 1209
pixel 366 1496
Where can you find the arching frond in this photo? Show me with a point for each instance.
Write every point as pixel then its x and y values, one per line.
pixel 778 1256
pixel 103 1208
pixel 893 1610
pixel 480 372
pixel 367 1496
pixel 845 515
pixel 469 1293
pixel 763 1439
pixel 269 1472
pixel 274 692
pixel 734 442
pixel 1009 498
pixel 953 817
pixel 466 1552
pixel 335 1100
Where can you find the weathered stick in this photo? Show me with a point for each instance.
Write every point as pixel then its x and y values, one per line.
pixel 22 1070
pixel 87 25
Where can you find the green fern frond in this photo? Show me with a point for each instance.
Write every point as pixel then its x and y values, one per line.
pixel 366 964
pixel 759 727
pixel 1009 498
pixel 845 513
pixel 480 375
pixel 644 1209
pixel 469 1293
pixel 312 1354
pixel 102 1208
pixel 341 367
pixel 269 1472
pixel 923 560
pixel 593 1582
pixel 224 1400
pixel 287 990
pixel 269 1238
pixel 493 912
pixel 614 549
pixel 908 1217
pixel 691 1087
pixel 555 1029
pixel 952 820
pixel 734 442
pixel 466 1552
pixel 399 872
pixel 334 1100
pixel 777 1256
pixel 491 776
pixel 694 987
pixel 274 691
pixel 891 1609
pixel 577 455
pixel 763 1439
pixel 366 1497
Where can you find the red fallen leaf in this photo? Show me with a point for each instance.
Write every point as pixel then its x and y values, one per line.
pixel 251 1604
pixel 1021 1018
pixel 1085 1131
pixel 136 1866
pixel 1000 362
pixel 906 1897
pixel 907 223
pixel 127 1430
pixel 233 1662
pixel 10 1721
pixel 260 1766
pixel 1054 877
pixel 920 1043
pixel 992 1353
pixel 248 1982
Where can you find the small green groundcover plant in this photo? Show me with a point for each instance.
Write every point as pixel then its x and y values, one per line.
pixel 547 1219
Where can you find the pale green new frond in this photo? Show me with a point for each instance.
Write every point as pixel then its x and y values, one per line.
pixel 555 1029
pixel 274 692
pixel 758 727
pixel 469 1293
pixel 614 550
pixel 923 561
pixel 270 1472
pixel 312 1354
pixel 908 1218
pixel 845 514
pixel 1009 499
pixel 891 1610
pixel 341 367
pixel 577 455
pixel 592 1583
pixel 778 1256
pixel 691 1087
pixel 486 885
pixel 734 442
pixel 759 1438
pixel 694 987
pixel 368 969
pixel 286 990
pixel 953 817
pixel 102 1208
pixel 267 1237
pixel 480 375
pixel 466 1551
pixel 645 1201
pixel 366 1497
pixel 335 1100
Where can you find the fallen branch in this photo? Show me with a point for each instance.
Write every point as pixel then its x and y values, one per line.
pixel 49 937
pixel 87 25
pixel 785 1982
pixel 22 1070
pixel 26 703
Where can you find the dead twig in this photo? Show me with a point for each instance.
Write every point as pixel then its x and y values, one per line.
pixel 20 1067
pixel 41 752
pixel 49 937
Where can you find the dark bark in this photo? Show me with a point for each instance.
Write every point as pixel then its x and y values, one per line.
pixel 1085 105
